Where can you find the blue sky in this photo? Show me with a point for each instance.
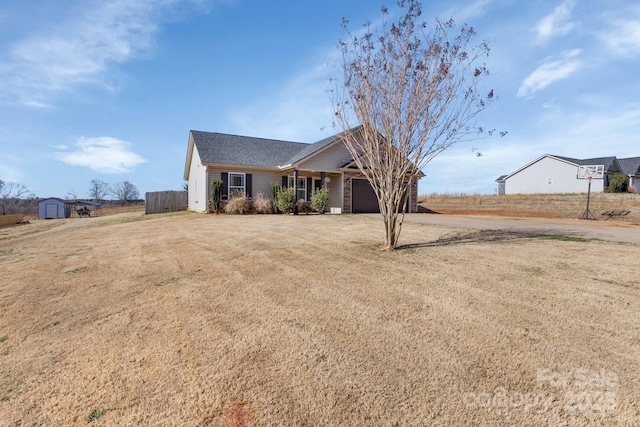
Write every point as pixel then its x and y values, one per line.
pixel 109 90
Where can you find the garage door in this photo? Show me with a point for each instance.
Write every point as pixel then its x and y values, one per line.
pixel 363 198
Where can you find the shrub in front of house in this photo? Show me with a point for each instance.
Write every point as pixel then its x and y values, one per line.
pixel 239 205
pixel 216 194
pixel 320 200
pixel 286 200
pixel 304 207
pixel 618 183
pixel 275 188
pixel 262 205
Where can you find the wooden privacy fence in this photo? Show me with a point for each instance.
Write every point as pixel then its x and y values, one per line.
pixel 10 219
pixel 165 201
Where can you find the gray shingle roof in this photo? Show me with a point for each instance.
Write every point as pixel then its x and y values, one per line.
pixel 630 165
pixel 608 162
pixel 227 149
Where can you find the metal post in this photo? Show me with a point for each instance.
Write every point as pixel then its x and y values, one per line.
pixel 586 212
pixel 295 190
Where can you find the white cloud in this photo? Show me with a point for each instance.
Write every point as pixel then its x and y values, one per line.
pixel 557 23
pixel 468 12
pixel 550 71
pixel 102 154
pixel 623 39
pixel 81 50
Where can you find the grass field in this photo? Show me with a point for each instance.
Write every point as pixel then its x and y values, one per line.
pixel 203 320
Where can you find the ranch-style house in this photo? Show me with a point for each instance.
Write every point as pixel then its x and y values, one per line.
pixel 249 165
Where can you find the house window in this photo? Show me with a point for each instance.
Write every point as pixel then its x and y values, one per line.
pixel 549 181
pixel 302 187
pixel 237 183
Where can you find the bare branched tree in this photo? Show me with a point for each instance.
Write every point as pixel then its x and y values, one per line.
pixel 125 192
pixel 98 190
pixel 414 92
pixel 12 195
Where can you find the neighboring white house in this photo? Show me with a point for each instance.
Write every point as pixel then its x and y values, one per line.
pixel 556 174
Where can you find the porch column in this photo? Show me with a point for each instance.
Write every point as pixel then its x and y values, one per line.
pixel 295 190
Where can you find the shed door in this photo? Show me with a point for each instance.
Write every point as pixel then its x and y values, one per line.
pixel 51 211
pixel 363 198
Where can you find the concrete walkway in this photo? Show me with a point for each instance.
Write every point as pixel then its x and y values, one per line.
pixel 549 226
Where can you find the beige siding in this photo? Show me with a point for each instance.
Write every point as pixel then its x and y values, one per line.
pixel 328 160
pixel 260 179
pixel 197 183
pixel 335 190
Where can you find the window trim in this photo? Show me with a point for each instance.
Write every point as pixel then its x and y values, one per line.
pixel 232 188
pixel 291 184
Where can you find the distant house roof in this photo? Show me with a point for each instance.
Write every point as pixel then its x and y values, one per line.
pixel 630 165
pixel 227 149
pixel 608 162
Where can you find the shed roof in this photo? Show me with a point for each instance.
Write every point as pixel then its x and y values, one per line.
pixel 57 199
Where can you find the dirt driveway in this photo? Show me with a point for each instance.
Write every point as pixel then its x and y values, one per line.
pixel 549 226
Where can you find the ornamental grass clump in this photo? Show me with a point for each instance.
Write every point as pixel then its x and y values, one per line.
pixel 262 205
pixel 239 205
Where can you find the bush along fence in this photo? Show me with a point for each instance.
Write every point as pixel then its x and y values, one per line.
pixel 165 201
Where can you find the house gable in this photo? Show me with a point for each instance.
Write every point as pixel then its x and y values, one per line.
pixel 567 160
pixel 630 166
pixel 328 159
pixel 546 174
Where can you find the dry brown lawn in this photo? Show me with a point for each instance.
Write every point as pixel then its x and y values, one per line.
pixel 202 320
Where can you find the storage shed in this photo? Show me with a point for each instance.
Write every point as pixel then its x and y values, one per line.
pixel 54 208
